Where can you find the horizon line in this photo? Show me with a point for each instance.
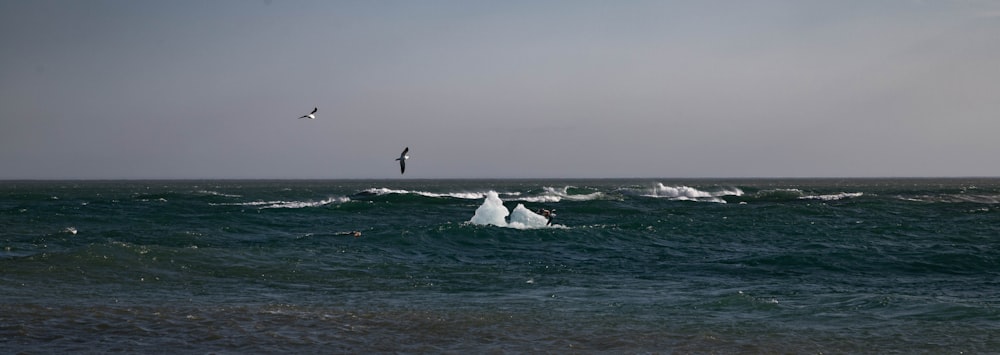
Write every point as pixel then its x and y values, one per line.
pixel 511 178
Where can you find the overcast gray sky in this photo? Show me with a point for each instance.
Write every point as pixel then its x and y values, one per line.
pixel 496 89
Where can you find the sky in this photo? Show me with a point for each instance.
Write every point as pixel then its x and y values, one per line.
pixel 194 89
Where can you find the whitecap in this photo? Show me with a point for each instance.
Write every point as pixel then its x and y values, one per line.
pixel 288 204
pixel 386 191
pixel 461 195
pixel 551 195
pixel 687 193
pixel 216 193
pixel 383 191
pixel 541 199
pixel 833 197
pixel 955 198
pixel 304 204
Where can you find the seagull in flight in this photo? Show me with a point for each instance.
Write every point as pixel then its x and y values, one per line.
pixel 311 115
pixel 402 160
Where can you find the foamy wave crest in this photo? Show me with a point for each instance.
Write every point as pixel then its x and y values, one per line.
pixel 956 198
pixel 833 197
pixel 552 194
pixel 687 193
pixel 493 212
pixel 386 191
pixel 215 193
pixel 304 204
pixel 288 204
pixel 797 194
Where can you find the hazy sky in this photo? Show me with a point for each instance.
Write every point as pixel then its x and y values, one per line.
pixel 498 89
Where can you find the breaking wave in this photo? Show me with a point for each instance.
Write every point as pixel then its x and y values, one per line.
pixel 552 194
pixel 215 193
pixel 797 194
pixel 386 191
pixel 288 204
pixel 955 198
pixel 833 197
pixel 686 193
pixel 546 195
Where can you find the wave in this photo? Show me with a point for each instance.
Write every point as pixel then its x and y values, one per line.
pixel 551 195
pixel 288 204
pixel 215 193
pixel 493 212
pixel 778 195
pixel 547 194
pixel 686 193
pixel 987 199
pixel 382 191
pixel 833 197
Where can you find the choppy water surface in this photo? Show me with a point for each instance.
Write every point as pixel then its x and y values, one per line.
pixel 906 265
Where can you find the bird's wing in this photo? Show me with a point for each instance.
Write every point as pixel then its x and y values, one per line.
pixel 405 151
pixel 402 166
pixel 314 110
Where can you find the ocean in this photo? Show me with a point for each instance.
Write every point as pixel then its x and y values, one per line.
pixel 469 266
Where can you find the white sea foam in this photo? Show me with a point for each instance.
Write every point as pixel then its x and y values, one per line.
pixel 687 193
pixel 161 199
pixel 303 204
pixel 493 212
pixel 833 197
pixel 288 204
pixel 955 198
pixel 802 195
pixel 541 199
pixel 462 195
pixel 549 194
pixel 384 191
pixel 552 194
pixel 216 193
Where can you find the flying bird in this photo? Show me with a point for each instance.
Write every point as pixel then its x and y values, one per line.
pixel 402 160
pixel 311 115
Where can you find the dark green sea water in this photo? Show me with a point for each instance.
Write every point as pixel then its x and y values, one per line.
pixel 628 266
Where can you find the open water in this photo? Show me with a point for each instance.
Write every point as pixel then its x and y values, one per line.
pixel 628 266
